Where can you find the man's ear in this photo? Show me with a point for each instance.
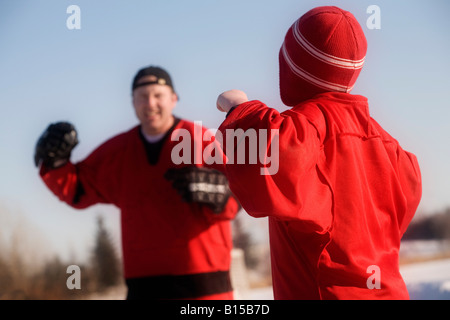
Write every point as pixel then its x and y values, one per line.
pixel 174 97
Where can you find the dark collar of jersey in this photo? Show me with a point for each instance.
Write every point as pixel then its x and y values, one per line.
pixel 153 150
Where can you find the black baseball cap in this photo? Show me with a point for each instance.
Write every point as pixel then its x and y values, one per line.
pixel 161 76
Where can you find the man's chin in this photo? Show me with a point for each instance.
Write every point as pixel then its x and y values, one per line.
pixel 151 129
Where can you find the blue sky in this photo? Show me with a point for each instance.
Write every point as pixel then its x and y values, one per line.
pixel 49 73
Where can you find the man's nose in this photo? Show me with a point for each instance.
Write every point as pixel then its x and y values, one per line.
pixel 151 102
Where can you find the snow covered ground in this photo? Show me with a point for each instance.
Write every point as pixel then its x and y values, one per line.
pixel 428 280
pixel 425 281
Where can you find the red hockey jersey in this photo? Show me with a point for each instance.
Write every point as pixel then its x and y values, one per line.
pixel 339 203
pixel 161 234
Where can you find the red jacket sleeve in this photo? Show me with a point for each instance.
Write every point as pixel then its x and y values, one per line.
pixel 62 181
pixel 276 184
pixel 411 180
pixel 91 181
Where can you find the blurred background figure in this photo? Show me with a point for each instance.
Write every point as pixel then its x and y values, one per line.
pixel 176 232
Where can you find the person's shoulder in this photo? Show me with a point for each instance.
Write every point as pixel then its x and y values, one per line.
pixel 191 125
pixel 119 141
pixel 122 137
pixel 378 130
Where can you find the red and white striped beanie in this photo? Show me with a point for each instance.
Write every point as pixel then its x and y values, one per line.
pixel 324 50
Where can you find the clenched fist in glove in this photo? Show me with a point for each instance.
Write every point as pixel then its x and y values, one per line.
pixel 201 185
pixel 229 99
pixel 55 145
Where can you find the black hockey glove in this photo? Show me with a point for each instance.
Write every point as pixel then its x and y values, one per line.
pixel 201 185
pixel 55 145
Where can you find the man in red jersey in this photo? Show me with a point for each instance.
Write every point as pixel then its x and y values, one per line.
pixel 175 218
pixel 345 191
